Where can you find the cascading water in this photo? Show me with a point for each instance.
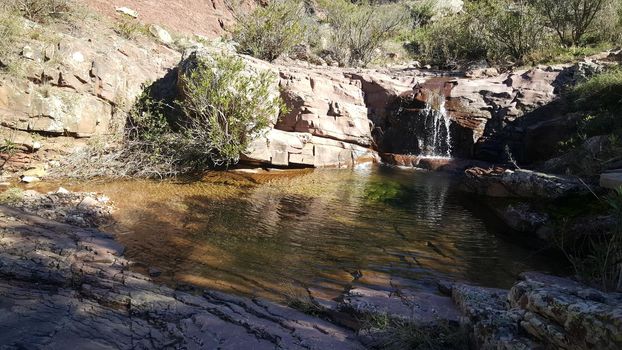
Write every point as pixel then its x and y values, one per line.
pixel 433 131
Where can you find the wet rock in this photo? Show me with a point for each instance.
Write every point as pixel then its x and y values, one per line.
pixel 413 307
pixel 452 165
pixel 520 183
pixel 154 272
pixel 81 209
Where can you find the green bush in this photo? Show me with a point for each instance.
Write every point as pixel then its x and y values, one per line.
pixel 571 20
pixel 597 259
pixel 11 195
pixel 449 41
pixel 421 11
pixel 496 30
pixel 130 28
pixel 270 31
pixel 358 30
pixel 225 105
pixel 9 33
pixel 40 10
pixel 512 29
pixel 601 92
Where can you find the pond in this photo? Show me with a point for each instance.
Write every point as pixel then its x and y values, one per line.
pixel 269 233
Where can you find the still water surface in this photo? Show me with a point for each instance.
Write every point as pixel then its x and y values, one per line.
pixel 268 234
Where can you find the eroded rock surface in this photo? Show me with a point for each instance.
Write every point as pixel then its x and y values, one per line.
pixel 520 183
pixel 542 311
pixel 69 287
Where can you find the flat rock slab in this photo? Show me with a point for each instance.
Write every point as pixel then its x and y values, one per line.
pixel 66 287
pixel 611 180
pixel 416 307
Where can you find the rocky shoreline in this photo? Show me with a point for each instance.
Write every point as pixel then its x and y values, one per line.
pixel 69 286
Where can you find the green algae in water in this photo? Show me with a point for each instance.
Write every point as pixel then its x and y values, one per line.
pixel 390 192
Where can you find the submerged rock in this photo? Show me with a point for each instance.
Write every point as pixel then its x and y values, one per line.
pixel 81 209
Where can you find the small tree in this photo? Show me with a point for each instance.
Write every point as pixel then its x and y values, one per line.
pixel 570 19
pixel 512 27
pixel 359 29
pixel 267 32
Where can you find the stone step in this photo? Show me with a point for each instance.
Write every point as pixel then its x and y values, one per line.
pixel 611 180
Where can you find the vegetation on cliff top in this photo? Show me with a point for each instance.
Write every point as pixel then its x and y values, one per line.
pixel 503 32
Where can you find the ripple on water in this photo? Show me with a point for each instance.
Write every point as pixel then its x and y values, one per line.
pixel 261 234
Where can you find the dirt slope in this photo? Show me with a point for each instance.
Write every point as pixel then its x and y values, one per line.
pixel 205 17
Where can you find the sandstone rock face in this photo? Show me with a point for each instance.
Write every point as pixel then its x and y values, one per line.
pixel 76 87
pixel 80 86
pixel 208 18
pixel 329 106
pixel 326 125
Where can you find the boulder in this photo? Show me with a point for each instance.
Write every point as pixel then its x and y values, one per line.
pixel 520 183
pixel 161 34
pixel 522 217
pixel 128 11
pixel 612 180
pixel 564 314
pixel 541 311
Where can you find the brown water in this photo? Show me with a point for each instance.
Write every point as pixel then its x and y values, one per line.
pixel 266 234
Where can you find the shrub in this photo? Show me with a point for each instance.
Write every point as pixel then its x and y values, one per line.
pixel 396 334
pixel 9 34
pixel 40 10
pixel 512 28
pixel 130 28
pixel 225 104
pixel 571 19
pixel 493 29
pixel 598 260
pixel 421 11
pixel 359 29
pixel 11 195
pixel 601 92
pixel 268 32
pixel 449 41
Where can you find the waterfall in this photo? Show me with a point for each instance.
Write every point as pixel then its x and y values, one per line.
pixel 433 133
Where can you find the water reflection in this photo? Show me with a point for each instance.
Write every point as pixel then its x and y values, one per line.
pixel 260 234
